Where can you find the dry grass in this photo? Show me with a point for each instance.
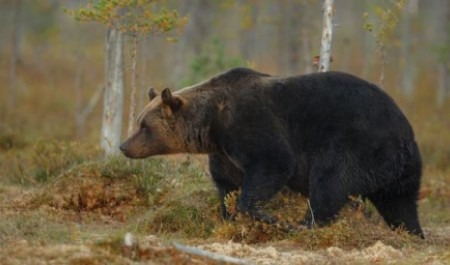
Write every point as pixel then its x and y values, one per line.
pixel 83 212
pixel 60 202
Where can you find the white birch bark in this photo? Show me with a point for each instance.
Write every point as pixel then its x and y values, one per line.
pixel 114 93
pixel 327 32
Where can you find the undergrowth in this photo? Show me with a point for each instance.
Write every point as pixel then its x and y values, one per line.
pixel 43 161
pixel 69 184
pixel 86 197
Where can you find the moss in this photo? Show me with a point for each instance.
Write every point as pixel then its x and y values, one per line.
pixel 193 215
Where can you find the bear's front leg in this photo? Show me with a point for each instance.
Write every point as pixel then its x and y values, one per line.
pixel 264 177
pixel 256 142
pixel 226 176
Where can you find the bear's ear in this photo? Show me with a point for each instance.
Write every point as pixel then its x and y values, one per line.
pixel 152 93
pixel 172 101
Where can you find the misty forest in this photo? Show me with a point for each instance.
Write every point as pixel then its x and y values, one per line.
pixel 75 74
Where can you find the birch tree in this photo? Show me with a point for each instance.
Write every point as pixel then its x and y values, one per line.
pixel 327 33
pixel 132 17
pixel 386 22
pixel 114 92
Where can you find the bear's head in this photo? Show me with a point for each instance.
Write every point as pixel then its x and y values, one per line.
pixel 158 129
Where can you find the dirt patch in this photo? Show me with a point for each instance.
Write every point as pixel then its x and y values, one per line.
pixel 86 191
pixel 108 252
pixel 378 253
pixel 82 215
pixel 153 250
pixel 105 197
pixel 23 253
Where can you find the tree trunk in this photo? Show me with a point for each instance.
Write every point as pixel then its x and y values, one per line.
pixel 132 112
pixel 306 51
pixel 408 56
pixel 134 50
pixel 281 36
pixel 114 93
pixel 143 74
pixel 293 38
pixel 327 32
pixel 367 58
pixel 15 55
pixel 247 31
pixel 443 88
pixel 78 87
pixel 196 33
pixel 443 92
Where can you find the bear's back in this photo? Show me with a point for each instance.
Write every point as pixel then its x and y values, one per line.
pixel 335 105
pixel 319 105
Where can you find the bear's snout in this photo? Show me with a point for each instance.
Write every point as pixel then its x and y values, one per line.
pixel 129 150
pixel 124 148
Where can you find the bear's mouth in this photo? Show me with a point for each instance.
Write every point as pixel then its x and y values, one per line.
pixel 129 150
pixel 126 150
pixel 132 155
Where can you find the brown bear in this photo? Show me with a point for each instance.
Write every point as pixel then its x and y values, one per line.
pixel 328 135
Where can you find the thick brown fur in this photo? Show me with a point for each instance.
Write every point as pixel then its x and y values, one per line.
pixel 327 135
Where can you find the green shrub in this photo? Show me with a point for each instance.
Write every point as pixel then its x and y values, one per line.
pixel 43 161
pixel 49 159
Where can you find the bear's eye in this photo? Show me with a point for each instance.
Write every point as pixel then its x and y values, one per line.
pixel 143 127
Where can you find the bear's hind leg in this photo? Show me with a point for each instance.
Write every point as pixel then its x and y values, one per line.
pixel 325 202
pixel 327 192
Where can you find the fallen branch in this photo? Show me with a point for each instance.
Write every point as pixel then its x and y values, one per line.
pixel 209 255
pixel 82 115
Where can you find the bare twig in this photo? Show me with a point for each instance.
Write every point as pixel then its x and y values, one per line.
pixel 313 221
pixel 82 115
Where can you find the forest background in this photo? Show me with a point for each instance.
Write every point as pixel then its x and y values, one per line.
pixel 52 79
pixel 45 50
